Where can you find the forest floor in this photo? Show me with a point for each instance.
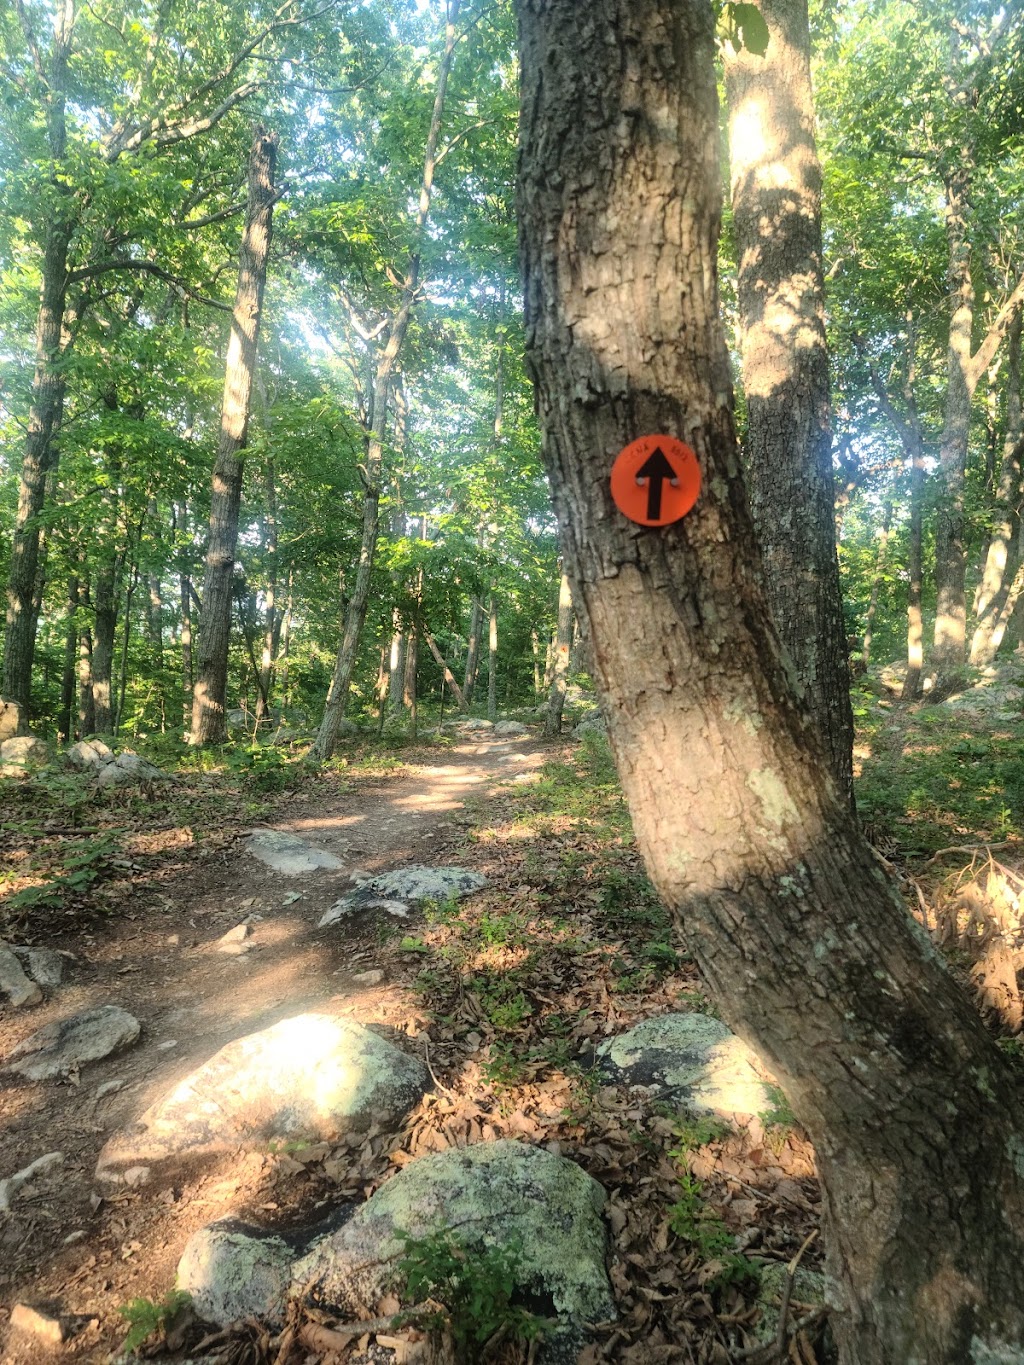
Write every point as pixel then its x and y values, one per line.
pixel 567 944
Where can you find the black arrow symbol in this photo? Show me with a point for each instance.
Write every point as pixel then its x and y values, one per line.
pixel 656 469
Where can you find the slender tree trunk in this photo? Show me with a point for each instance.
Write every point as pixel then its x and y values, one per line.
pixel 409 696
pixel 876 582
pixel 210 693
pixel 446 672
pixel 86 709
pixel 272 629
pixel 397 663
pixel 337 696
pixel 476 619
pixel 807 948
pixel 122 686
pixel 66 718
pixel 1000 567
pixel 47 403
pixel 776 179
pixel 492 659
pixel 535 651
pixel 284 652
pixel 105 611
pixel 563 638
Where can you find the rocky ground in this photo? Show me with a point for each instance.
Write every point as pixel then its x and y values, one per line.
pixel 286 1059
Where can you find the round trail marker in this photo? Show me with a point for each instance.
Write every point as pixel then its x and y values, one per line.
pixel 655 480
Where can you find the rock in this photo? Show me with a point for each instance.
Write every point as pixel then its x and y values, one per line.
pixel 234 941
pixel 475 723
pixel 493 1194
pixel 13 1183
pixel 706 1069
pixel 372 978
pixel 290 855
pixel 43 965
pixel 808 1287
pixel 237 717
pixel 526 779
pixel 43 1327
pixel 128 770
pixel 396 891
pixel 284 734
pixel 592 724
pixel 311 1076
pixel 62 1047
pixel 24 751
pixel 510 727
pixel 233 1271
pixel 10 715
pixel 89 753
pixel 14 983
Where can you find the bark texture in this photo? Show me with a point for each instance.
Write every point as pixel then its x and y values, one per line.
pixel 563 640
pixel 808 949
pixel 210 691
pixel 776 202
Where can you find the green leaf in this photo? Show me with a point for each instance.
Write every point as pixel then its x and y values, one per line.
pixel 750 25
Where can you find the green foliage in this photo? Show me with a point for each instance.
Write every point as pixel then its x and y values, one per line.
pixel 477 1288
pixel 743 26
pixel 149 1319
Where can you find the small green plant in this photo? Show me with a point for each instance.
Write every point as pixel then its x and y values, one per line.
pixel 697 1132
pixel 148 1319
pixel 778 1114
pixel 691 1221
pixel 475 1287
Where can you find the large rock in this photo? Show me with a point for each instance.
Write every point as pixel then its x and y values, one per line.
pixel 510 727
pixel 491 1195
pixel 593 723
pixel 10 715
pixel 311 1076
pixel 234 1271
pixel 24 751
pixel 696 1060
pixel 475 723
pixel 396 891
pixel 43 965
pixel 19 988
pixel 128 770
pixel 60 1048
pixel 89 754
pixel 290 855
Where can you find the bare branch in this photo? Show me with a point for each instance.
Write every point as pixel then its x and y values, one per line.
pixel 89 272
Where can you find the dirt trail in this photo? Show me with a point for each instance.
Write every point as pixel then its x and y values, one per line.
pixel 191 998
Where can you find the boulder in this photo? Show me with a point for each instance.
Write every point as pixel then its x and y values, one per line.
pixel 475 723
pixel 88 754
pixel 311 1076
pixel 60 1048
pixel 396 891
pixel 593 723
pixel 542 1208
pixel 10 716
pixel 694 1059
pixel 43 965
pixel 233 1271
pixel 24 751
pixel 288 854
pixel 19 988
pixel 237 717
pixel 510 727
pixel 128 770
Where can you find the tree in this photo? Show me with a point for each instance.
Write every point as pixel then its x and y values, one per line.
pixel 808 950
pixel 776 205
pixel 208 702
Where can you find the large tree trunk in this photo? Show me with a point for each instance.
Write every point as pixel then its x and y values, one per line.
pixel 563 641
pixel 807 948
pixel 210 692
pixel 999 572
pixel 337 696
pixel 776 179
pixel 105 609
pixel 47 404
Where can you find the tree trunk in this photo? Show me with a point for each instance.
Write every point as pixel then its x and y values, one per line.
pixel 807 948
pixel 272 629
pixel 210 693
pixel 476 619
pixel 105 610
pixel 409 697
pixel 492 660
pixel 47 403
pixel 337 696
pixel 1000 567
pixel 563 640
pixel 776 179
pixel 876 583
pixel 446 672
pixel 66 717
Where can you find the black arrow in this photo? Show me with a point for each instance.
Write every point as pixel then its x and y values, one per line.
pixel 656 469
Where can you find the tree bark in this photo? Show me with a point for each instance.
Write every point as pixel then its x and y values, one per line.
pixel 337 696
pixel 805 945
pixel 210 692
pixel 492 659
pixel 476 617
pixel 563 640
pixel 66 717
pixel 105 611
pixel 47 403
pixel 776 180
pixel 999 572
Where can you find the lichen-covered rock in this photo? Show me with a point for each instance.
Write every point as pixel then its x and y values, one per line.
pixel 19 988
pixel 475 723
pixel 311 1076
pixel 60 1048
pixel 128 770
pixel 494 1194
pixel 10 716
pixel 510 727
pixel 593 723
pixel 24 751
pixel 694 1057
pixel 288 854
pixel 43 965
pixel 234 1271
pixel 396 891
pixel 89 753
pixel 808 1287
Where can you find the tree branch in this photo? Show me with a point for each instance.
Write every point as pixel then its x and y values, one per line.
pixel 985 354
pixel 90 272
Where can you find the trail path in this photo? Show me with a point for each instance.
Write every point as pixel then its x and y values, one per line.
pixel 166 968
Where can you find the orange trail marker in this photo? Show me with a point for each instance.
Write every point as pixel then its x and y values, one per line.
pixel 655 480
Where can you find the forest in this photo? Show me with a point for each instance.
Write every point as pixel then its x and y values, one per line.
pixel 600 914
